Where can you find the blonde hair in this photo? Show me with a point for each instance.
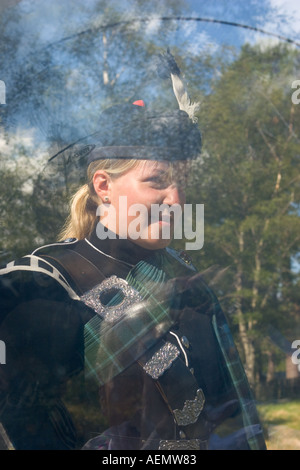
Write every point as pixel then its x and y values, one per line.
pixel 84 202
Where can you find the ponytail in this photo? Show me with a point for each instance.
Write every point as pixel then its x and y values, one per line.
pixel 81 219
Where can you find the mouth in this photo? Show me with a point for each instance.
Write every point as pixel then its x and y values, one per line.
pixel 166 219
pixel 161 219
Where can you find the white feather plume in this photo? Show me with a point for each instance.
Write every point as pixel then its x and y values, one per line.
pixel 183 99
pixel 168 68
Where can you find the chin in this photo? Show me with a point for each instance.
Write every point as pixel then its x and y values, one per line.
pixel 152 244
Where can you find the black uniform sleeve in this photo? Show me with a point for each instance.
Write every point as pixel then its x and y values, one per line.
pixel 42 329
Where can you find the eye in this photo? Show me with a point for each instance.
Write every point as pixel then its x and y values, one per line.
pixel 159 181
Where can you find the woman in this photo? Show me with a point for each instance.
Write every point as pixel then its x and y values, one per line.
pixel 113 340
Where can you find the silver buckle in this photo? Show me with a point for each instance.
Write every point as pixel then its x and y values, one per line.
pixel 111 313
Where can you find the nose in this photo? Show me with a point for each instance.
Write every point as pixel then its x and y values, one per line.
pixel 174 195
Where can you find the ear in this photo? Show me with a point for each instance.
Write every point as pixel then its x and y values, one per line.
pixel 102 184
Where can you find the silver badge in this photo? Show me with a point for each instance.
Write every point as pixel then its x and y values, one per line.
pixel 111 298
pixel 161 360
pixel 191 410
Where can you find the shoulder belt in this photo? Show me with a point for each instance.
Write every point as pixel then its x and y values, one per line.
pixel 83 274
pixel 68 267
pixel 181 393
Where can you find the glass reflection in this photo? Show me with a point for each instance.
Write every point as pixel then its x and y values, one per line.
pixel 59 76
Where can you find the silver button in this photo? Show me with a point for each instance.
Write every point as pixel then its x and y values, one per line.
pixel 192 370
pixel 185 342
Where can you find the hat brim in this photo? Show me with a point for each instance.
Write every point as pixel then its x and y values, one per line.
pixel 136 152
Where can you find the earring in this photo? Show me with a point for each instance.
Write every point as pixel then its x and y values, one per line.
pixel 106 199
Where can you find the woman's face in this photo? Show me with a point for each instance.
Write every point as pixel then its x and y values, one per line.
pixel 135 208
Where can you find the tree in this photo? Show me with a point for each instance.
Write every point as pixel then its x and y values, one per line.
pixel 17 227
pixel 249 183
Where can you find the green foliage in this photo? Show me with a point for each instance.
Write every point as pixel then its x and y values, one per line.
pixel 249 183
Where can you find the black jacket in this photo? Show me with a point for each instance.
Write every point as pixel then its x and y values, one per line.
pixel 171 388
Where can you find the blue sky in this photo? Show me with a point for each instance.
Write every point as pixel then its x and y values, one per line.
pixel 278 17
pixel 38 26
pixel 59 18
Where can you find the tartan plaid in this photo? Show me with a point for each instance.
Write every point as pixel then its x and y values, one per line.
pixel 239 379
